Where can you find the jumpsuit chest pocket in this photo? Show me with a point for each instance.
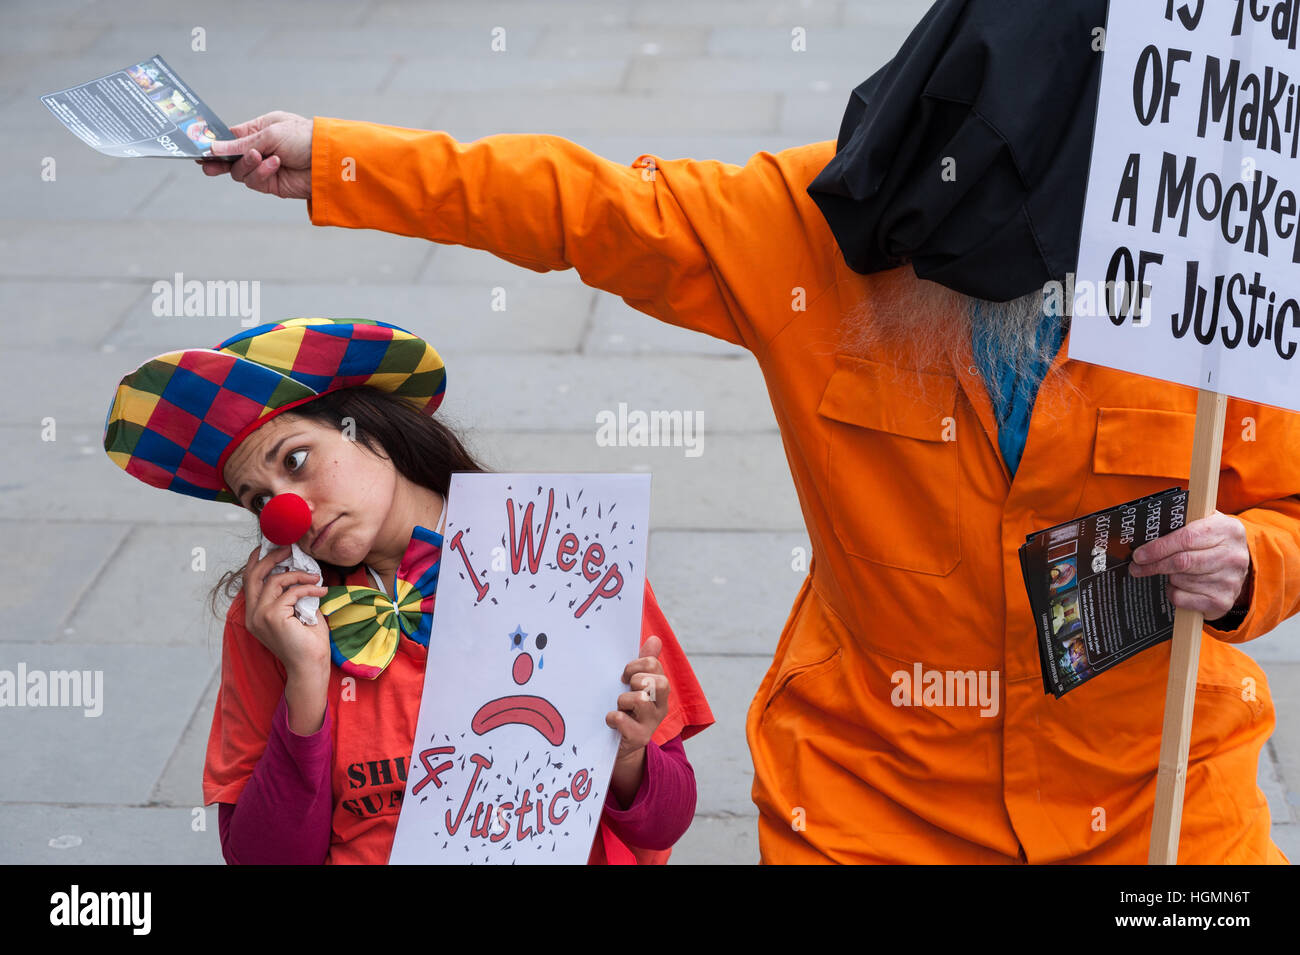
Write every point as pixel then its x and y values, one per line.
pixel 893 466
pixel 1138 451
pixel 1144 441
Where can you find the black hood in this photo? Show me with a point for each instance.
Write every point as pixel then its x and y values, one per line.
pixel 1006 89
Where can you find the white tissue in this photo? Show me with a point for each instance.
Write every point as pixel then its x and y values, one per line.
pixel 305 607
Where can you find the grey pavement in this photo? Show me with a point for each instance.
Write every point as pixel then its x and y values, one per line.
pixel 712 79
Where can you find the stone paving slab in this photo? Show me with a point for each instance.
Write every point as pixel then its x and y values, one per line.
pixel 1288 840
pixel 718 840
pixel 619 329
pixel 38 383
pixel 15 67
pixel 294 74
pixel 148 696
pixel 799 73
pixel 1284 684
pixel 724 772
pixel 456 318
pixel 337 101
pixel 221 252
pixel 72 480
pixel 413 14
pixel 175 41
pixel 1282 644
pixel 813 115
pixel 896 18
pixel 564 393
pixel 230 14
pixel 686 493
pixel 572 113
pixel 712 12
pixel 117 835
pixel 397 41
pixel 65 314
pixel 187 193
pixel 85 186
pixel 170 570
pixel 57 564
pixel 181 783
pixel 867 50
pixel 582 41
pixel 453 264
pixel 40 15
pixel 1270 783
pixel 25 37
pixel 747 574
pixel 504 71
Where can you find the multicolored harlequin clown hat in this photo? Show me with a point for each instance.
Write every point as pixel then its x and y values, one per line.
pixel 176 419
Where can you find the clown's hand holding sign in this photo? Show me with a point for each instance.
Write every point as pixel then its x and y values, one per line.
pixel 640 711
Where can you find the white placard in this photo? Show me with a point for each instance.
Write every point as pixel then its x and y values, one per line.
pixel 538 610
pixel 1192 191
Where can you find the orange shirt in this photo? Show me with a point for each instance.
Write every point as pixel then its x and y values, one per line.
pixel 373 726
pixel 914 536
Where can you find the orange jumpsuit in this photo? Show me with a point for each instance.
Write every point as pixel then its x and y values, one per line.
pixel 914 536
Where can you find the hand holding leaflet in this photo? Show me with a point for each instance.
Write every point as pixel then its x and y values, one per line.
pixel 272 155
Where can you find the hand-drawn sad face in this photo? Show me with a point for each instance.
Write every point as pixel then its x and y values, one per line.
pixel 525 710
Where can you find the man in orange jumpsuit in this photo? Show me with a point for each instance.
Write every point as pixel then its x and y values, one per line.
pixel 914 513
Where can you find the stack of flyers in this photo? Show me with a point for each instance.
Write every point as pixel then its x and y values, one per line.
pixel 143 110
pixel 1089 613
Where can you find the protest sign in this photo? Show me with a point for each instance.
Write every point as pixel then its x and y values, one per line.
pixel 538 610
pixel 1188 251
pixel 1192 193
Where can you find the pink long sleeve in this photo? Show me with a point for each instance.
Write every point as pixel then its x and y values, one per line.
pixel 664 805
pixel 282 816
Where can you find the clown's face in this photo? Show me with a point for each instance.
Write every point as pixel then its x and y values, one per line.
pixel 349 489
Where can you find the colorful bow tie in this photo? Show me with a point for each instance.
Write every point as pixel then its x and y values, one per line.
pixel 366 624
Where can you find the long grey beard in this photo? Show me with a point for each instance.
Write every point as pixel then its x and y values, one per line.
pixel 1020 334
pixel 929 324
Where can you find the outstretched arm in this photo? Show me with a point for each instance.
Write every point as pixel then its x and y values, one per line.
pixel 696 243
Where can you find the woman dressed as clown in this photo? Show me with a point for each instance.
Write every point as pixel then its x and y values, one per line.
pixel 327 427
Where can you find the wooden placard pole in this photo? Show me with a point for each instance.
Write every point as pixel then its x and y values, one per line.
pixel 1184 657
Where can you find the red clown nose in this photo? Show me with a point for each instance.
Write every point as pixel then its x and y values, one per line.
pixel 285 518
